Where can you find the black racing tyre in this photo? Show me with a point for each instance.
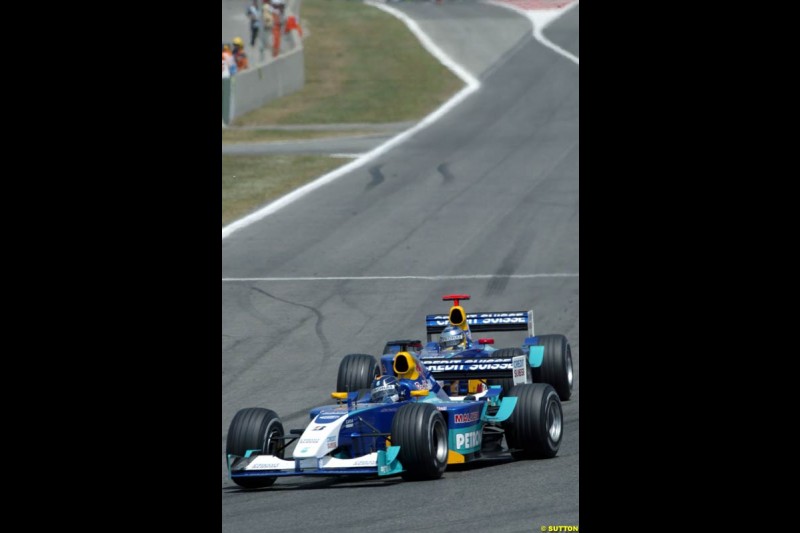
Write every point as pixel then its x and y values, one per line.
pixel 421 432
pixel 357 371
pixel 534 428
pixel 252 429
pixel 507 383
pixel 556 366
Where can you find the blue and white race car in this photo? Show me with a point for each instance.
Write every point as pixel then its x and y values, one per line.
pixel 464 365
pixel 408 426
pixel 404 422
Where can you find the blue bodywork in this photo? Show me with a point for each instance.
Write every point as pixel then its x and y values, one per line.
pixel 365 428
pixel 443 363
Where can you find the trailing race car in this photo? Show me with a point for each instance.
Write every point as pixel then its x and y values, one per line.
pixel 405 423
pixel 466 366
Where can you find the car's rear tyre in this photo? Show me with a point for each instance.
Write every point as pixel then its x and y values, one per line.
pixel 357 371
pixel 421 432
pixel 556 366
pixel 507 383
pixel 534 429
pixel 253 428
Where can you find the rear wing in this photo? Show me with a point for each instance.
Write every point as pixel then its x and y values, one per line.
pixel 479 322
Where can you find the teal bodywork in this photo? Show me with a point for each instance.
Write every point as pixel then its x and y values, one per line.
pixel 507 406
pixel 465 440
pixel 535 356
pixel 388 463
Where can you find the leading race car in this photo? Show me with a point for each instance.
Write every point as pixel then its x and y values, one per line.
pixel 405 423
pixel 466 366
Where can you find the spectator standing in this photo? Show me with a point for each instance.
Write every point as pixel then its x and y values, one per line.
pixel 239 54
pixel 255 13
pixel 292 24
pixel 227 57
pixel 276 8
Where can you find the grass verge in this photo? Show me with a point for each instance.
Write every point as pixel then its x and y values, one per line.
pixel 251 181
pixel 270 135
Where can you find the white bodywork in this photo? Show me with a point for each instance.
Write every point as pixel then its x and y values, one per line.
pixel 321 438
pixel 312 449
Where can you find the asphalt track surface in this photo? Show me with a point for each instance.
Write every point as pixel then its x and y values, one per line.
pixel 491 190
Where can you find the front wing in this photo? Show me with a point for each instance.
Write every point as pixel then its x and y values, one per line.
pixel 381 463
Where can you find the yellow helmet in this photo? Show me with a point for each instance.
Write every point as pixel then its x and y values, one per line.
pixel 238 41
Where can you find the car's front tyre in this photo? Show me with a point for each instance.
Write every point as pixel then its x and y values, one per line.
pixel 421 432
pixel 255 428
pixel 535 427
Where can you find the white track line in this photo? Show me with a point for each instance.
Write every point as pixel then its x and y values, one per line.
pixel 428 44
pixel 472 85
pixel 540 19
pixel 428 278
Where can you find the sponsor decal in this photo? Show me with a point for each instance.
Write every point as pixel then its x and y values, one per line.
pixel 422 384
pixel 441 408
pixel 308 441
pixel 510 320
pixel 480 361
pixel 469 367
pixel 519 367
pixel 465 418
pixel 304 450
pixel 364 462
pixel 520 375
pixel 318 428
pixel 328 417
pixel 349 423
pixel 494 366
pixel 470 439
pixel 264 466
